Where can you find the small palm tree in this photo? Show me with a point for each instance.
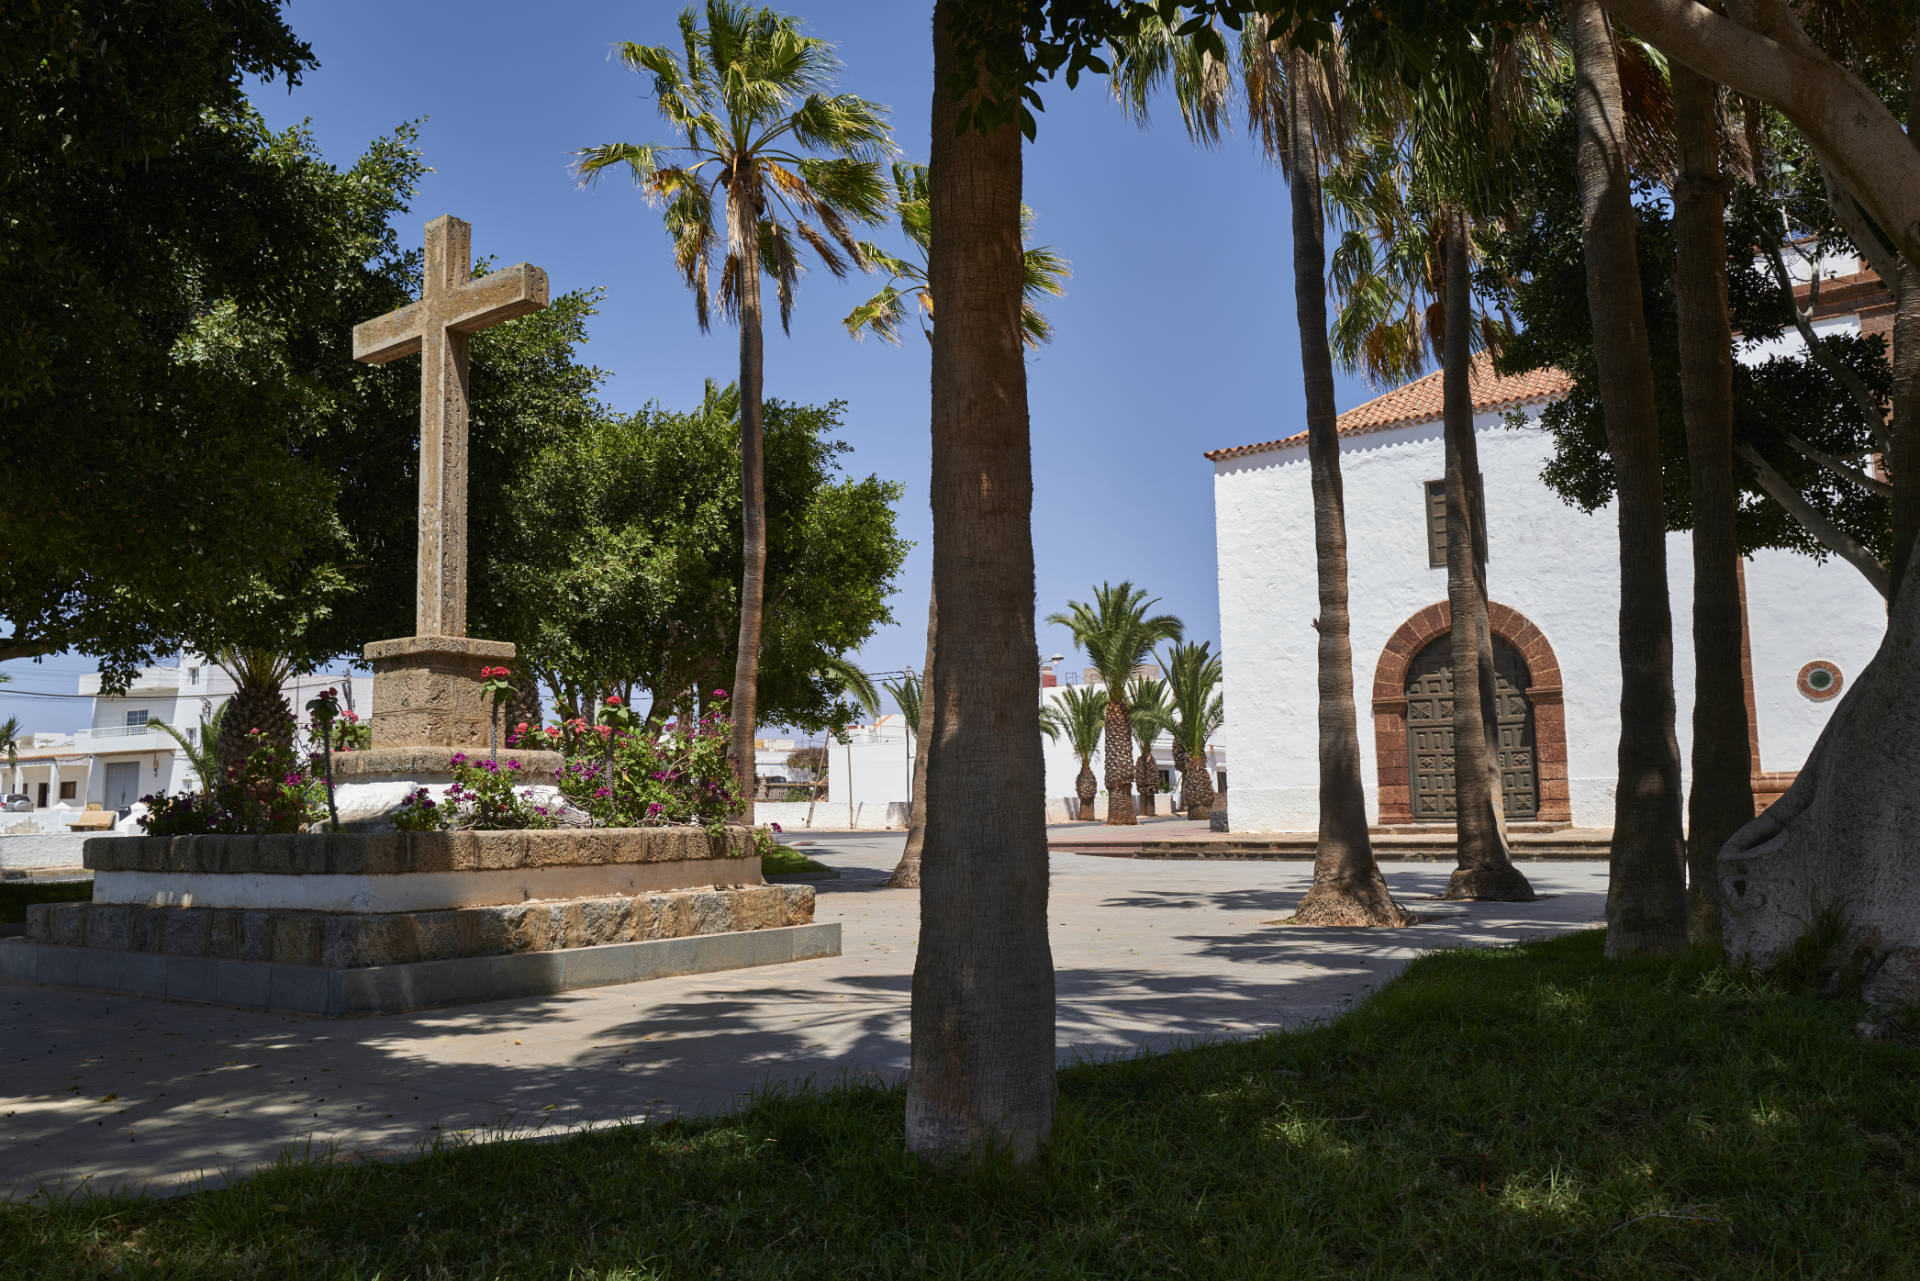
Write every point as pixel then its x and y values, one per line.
pixel 257 704
pixel 793 166
pixel 202 747
pixel 1193 683
pixel 1152 716
pixel 10 741
pixel 1118 634
pixel 885 314
pixel 1080 714
pixel 906 694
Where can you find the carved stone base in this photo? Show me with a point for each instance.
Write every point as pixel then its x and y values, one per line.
pixel 427 691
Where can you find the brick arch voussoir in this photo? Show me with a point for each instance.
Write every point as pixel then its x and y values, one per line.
pixel 1544 691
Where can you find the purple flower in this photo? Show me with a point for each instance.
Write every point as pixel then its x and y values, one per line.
pixel 775 826
pixel 458 758
pixel 719 693
pixel 653 808
pixel 491 767
pixel 513 765
pixel 602 793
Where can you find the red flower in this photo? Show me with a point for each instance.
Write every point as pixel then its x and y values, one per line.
pixel 613 700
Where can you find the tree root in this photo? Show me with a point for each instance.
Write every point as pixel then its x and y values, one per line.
pixel 1362 904
pixel 1490 884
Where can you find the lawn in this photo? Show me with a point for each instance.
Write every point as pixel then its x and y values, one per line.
pixel 15 896
pixel 1528 1113
pixel 782 860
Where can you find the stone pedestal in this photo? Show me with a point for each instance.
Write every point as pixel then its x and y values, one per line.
pixel 379 923
pixel 427 691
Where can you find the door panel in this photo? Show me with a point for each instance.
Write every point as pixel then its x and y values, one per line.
pixel 1430 733
pixel 123 784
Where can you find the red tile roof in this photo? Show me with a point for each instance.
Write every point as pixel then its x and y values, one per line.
pixel 1419 402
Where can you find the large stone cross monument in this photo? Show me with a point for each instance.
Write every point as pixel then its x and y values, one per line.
pixel 426 688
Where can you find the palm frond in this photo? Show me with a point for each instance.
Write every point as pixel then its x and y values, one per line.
pixel 1078 714
pixel 1116 630
pixel 849 678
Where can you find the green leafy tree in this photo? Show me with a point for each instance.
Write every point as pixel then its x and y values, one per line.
pixel 614 571
pixel 1118 634
pixel 1079 715
pixel 794 165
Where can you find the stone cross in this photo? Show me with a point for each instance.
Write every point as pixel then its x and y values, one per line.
pixel 452 307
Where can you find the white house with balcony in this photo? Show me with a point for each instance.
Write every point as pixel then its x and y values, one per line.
pixel 122 755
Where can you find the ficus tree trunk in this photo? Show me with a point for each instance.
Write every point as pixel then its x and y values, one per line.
pixel 1118 762
pixel 1646 890
pixel 1146 779
pixel 906 873
pixel 1347 886
pixel 1485 869
pixel 1721 801
pixel 744 235
pixel 981 1078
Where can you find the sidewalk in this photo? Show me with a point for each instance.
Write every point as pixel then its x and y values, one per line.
pixel 128 1091
pixel 1164 837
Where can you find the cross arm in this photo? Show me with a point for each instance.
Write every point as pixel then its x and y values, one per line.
pixel 391 336
pixel 515 291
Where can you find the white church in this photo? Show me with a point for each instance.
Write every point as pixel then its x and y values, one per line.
pixel 1553 578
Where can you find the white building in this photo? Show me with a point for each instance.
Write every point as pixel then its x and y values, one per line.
pixel 1553 575
pixel 121 755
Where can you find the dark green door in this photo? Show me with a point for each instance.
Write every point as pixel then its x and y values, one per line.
pixel 1430 732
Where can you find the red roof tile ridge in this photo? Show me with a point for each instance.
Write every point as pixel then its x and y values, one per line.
pixel 1420 401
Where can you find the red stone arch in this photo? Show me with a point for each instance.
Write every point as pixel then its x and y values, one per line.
pixel 1544 692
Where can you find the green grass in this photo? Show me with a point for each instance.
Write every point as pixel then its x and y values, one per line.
pixel 782 860
pixel 1532 1112
pixel 16 895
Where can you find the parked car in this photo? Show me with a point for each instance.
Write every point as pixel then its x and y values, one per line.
pixel 16 803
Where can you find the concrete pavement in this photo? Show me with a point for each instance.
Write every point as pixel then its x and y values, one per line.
pixel 135 1092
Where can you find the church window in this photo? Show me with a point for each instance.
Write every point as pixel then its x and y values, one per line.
pixel 1437 524
pixel 1820 680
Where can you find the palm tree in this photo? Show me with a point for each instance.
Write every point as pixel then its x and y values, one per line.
pixel 1080 715
pixel 10 742
pixel 1152 716
pixel 257 704
pixel 885 314
pixel 1118 635
pixel 982 1078
pixel 1646 886
pixel 792 164
pixel 908 694
pixel 1720 802
pixel 1296 104
pixel 1193 683
pixel 906 291
pixel 1440 155
pixel 202 746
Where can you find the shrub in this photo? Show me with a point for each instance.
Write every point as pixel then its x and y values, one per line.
pixel 270 792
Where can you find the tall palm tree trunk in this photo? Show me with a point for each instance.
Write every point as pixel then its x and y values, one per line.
pixel 743 230
pixel 1485 870
pixel 1118 757
pixel 1086 787
pixel 1646 890
pixel 1347 886
pixel 1721 802
pixel 983 1021
pixel 906 873
pixel 1146 779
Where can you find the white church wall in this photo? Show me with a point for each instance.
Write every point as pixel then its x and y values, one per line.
pixel 1556 565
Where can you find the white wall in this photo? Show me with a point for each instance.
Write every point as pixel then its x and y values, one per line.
pixel 1553 563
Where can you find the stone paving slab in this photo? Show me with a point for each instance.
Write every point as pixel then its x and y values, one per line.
pixel 138 1092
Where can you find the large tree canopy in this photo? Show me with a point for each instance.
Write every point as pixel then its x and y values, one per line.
pixel 615 568
pixel 136 192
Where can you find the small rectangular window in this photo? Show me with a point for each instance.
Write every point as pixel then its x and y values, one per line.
pixel 136 718
pixel 1437 524
pixel 68 791
pixel 193 676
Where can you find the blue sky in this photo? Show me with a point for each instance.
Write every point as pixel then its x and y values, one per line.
pixel 1176 334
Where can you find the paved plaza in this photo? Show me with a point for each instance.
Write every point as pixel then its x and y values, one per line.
pixel 143 1093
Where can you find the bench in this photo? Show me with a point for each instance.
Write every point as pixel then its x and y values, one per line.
pixel 93 821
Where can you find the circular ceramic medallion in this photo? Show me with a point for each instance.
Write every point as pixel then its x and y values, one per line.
pixel 1820 680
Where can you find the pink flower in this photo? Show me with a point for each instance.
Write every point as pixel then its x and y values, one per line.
pixel 613 700
pixel 521 728
pixel 553 731
pixel 719 693
pixel 775 826
pixel 602 793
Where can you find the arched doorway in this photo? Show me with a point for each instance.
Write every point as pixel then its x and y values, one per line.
pixel 1430 769
pixel 1533 673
